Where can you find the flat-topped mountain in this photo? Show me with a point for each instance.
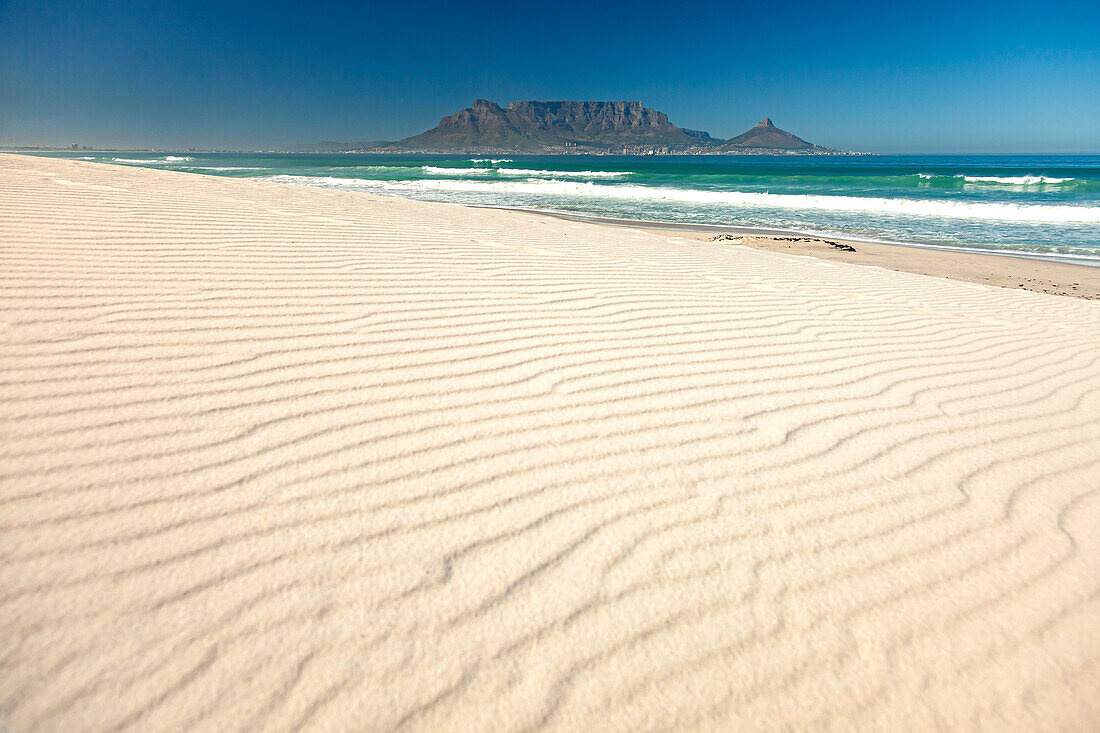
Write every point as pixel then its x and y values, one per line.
pixel 766 136
pixel 576 127
pixel 541 127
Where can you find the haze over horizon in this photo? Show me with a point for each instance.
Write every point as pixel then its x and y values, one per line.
pixel 984 78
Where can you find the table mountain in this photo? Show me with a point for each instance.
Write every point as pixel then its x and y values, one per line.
pixel 540 127
pixel 584 127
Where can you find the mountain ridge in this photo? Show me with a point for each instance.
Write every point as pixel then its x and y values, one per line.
pixel 567 126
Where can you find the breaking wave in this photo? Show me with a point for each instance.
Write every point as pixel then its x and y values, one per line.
pixel 161 161
pixel 1027 180
pixel 561 174
pixel 1015 180
pixel 521 172
pixel 999 211
pixel 436 170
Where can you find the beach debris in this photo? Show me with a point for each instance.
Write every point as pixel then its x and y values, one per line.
pixel 737 239
pixel 835 245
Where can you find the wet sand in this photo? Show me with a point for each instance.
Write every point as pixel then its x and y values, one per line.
pixel 1006 271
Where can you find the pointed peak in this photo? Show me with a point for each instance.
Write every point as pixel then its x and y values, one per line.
pixel 766 122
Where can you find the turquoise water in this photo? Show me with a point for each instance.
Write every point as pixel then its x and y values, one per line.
pixel 1046 206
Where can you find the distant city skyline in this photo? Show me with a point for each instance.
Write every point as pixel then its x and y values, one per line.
pixel 981 77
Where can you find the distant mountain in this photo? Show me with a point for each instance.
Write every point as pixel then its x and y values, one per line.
pixel 555 127
pixel 573 127
pixel 328 146
pixel 766 136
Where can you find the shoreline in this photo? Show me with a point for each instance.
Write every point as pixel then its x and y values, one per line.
pixel 779 232
pixel 1006 270
pixel 1050 274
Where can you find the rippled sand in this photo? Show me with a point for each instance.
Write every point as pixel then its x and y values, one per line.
pixel 277 457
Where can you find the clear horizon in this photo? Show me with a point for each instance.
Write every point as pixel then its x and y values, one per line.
pixel 982 79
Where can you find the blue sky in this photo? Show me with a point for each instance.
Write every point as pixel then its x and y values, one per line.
pixel 879 76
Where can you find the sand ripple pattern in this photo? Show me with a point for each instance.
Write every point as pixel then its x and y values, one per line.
pixel 281 458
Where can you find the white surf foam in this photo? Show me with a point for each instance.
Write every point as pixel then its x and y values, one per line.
pixel 520 172
pixel 402 168
pixel 1027 180
pixel 494 161
pixel 560 174
pixel 160 161
pixel 436 170
pixel 226 168
pixel 734 199
pixel 1015 180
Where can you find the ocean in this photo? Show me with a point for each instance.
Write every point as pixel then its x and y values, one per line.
pixel 1029 205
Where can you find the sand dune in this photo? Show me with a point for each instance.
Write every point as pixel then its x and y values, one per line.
pixel 278 457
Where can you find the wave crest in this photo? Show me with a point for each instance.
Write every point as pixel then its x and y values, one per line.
pixel 521 172
pixel 561 174
pixel 456 171
pixel 160 161
pixel 1001 211
pixel 1016 180
pixel 1025 180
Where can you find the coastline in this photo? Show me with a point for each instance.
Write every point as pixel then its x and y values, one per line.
pixel 1029 243
pixel 286 456
pixel 1001 269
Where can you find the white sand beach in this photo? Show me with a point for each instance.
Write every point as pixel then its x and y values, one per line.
pixel 276 457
